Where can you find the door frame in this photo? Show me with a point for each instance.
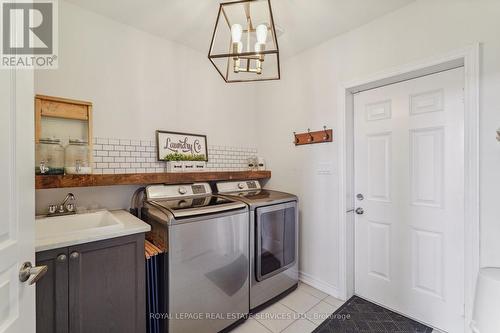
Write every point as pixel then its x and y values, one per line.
pixel 469 59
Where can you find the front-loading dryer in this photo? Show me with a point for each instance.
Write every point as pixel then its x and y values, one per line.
pixel 273 240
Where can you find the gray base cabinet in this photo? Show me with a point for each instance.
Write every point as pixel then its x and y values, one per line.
pixel 93 288
pixel 52 292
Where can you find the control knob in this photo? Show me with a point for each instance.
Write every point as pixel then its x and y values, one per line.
pixel 182 190
pixel 241 186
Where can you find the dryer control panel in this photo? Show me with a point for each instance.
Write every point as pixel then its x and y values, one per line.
pixel 239 186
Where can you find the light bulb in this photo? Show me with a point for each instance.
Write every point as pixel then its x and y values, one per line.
pixel 259 47
pixel 261 32
pixel 237 47
pixel 236 32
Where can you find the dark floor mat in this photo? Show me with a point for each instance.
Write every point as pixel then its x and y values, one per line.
pixel 359 315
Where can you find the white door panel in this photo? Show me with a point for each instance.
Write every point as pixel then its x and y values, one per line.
pixel 409 166
pixel 17 300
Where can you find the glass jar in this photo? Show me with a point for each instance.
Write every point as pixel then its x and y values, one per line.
pixel 77 158
pixel 252 163
pixel 49 157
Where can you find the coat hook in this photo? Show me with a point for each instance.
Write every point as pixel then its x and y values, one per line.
pixel 296 141
pixel 326 137
pixel 311 137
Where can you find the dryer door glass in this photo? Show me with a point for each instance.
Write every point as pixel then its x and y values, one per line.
pixel 276 239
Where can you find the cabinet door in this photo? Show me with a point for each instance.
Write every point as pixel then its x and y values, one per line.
pixel 52 292
pixel 107 286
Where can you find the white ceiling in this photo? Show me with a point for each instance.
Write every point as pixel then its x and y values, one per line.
pixel 305 23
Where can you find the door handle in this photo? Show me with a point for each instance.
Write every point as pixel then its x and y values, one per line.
pixel 36 273
pixel 360 211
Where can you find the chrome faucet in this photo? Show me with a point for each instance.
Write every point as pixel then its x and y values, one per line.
pixel 64 208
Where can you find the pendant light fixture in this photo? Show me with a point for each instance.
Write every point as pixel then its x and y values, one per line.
pixel 244 45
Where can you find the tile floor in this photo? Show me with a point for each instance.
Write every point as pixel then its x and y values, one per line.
pixel 300 312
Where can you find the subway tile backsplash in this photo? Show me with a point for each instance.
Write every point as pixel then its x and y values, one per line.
pixel 116 156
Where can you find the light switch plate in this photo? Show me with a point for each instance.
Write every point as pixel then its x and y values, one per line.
pixel 325 169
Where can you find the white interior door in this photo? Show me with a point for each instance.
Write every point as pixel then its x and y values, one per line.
pixel 409 167
pixel 17 204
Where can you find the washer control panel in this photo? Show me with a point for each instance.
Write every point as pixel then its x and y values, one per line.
pixel 176 191
pixel 199 189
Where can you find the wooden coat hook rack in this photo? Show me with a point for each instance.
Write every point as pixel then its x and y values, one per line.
pixel 308 138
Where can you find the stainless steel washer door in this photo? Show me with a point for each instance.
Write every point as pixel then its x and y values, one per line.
pixel 208 272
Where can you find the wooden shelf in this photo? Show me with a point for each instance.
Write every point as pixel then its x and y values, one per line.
pixel 44 182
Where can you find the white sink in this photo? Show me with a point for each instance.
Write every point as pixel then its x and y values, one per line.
pixel 69 230
pixel 67 225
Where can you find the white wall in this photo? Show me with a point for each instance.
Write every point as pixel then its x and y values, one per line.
pixel 140 83
pixel 307 97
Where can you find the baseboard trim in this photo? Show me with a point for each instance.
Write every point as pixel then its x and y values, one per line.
pixel 320 285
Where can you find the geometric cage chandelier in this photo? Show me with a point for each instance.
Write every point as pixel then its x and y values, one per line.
pixel 244 44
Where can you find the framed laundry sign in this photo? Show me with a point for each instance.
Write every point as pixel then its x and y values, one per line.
pixel 175 146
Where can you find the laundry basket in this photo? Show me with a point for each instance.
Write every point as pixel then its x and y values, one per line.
pixel 486 318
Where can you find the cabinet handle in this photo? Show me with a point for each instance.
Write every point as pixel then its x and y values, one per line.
pixel 74 255
pixel 61 258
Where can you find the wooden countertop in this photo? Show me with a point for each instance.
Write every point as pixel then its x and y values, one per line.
pixel 44 182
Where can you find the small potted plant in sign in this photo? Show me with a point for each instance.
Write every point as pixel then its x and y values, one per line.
pixel 194 163
pixel 199 162
pixel 188 163
pixel 185 163
pixel 174 162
